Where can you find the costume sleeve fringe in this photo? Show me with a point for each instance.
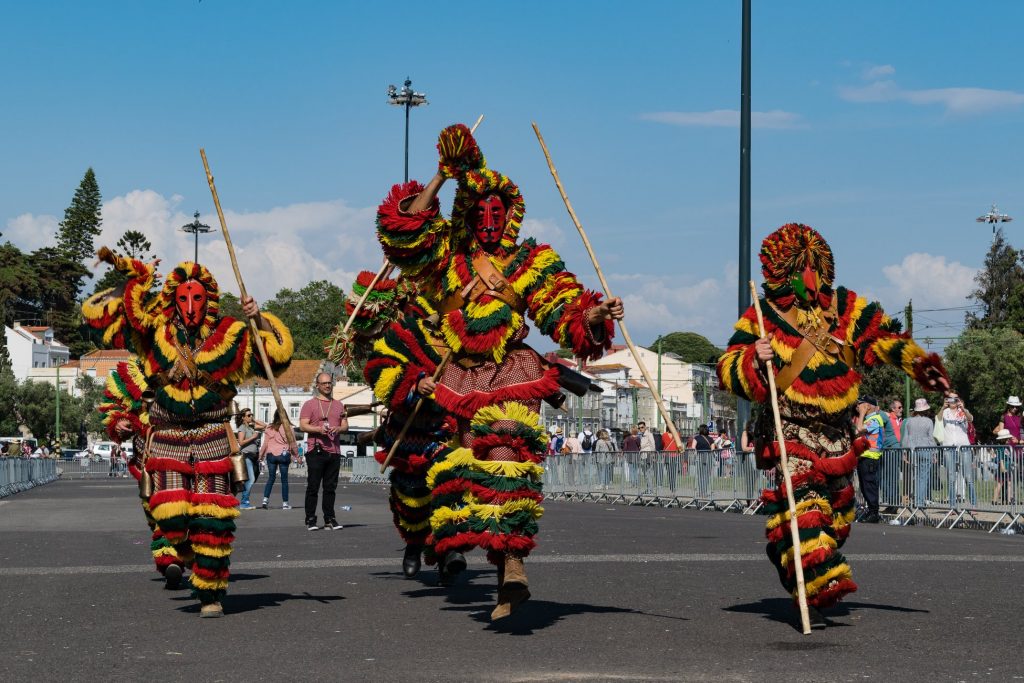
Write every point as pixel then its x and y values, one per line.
pixel 233 357
pixel 400 358
pixel 574 332
pixel 121 310
pixel 413 242
pixel 738 369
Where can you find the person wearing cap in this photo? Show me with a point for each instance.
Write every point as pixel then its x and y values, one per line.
pixel 916 434
pixel 1010 420
pixel 1003 494
pixel 871 425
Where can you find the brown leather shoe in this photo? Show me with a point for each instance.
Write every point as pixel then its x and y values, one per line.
pixel 512 587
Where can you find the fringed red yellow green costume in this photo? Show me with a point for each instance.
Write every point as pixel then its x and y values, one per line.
pixel 189 446
pixel 486 488
pixel 124 400
pixel 816 408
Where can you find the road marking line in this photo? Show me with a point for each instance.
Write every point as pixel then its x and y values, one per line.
pixel 480 561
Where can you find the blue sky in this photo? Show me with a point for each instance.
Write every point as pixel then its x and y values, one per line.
pixel 887 126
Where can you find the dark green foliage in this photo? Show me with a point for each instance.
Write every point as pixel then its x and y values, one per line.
pixel 18 286
pixel 310 313
pixel 82 221
pixel 230 306
pixel 689 346
pixel 1000 290
pixel 986 366
pixel 885 383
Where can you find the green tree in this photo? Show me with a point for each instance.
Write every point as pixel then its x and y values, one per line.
pixel 9 398
pixel 82 221
pixel 884 383
pixel 18 286
pixel 1000 290
pixel 310 313
pixel 132 244
pixel 986 366
pixel 689 346
pixel 230 307
pixel 56 302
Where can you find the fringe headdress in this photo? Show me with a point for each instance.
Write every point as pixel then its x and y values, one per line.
pixel 183 272
pixel 789 251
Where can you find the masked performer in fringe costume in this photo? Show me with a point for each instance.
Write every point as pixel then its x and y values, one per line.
pixel 390 301
pixel 815 339
pixel 482 282
pixel 126 416
pixel 191 360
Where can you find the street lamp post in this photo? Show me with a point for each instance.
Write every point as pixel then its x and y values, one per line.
pixel 195 227
pixel 56 433
pixel 407 98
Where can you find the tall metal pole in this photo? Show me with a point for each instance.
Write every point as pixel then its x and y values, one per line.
pixel 906 380
pixel 407 105
pixel 407 98
pixel 56 434
pixel 659 381
pixel 743 406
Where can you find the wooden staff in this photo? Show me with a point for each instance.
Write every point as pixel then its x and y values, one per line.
pixel 253 329
pixel 415 410
pixel 385 269
pixel 608 293
pixel 794 529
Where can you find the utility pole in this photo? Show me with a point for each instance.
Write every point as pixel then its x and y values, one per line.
pixel 909 311
pixel 407 98
pixel 742 405
pixel 659 382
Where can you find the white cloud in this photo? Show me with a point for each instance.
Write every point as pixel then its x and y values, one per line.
pixel 726 118
pixel 877 71
pixel 545 231
pixel 955 101
pixel 28 232
pixel 931 281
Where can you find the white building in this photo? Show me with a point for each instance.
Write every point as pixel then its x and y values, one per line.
pixel 33 347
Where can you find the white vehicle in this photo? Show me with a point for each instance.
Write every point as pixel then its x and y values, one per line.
pixel 103 449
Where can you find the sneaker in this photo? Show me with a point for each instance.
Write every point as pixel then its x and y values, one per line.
pixel 264 505
pixel 286 506
pixel 332 524
pixel 247 506
pixel 311 524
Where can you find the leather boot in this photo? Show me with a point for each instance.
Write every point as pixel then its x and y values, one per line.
pixel 449 567
pixel 172 577
pixel 411 560
pixel 513 588
pixel 211 610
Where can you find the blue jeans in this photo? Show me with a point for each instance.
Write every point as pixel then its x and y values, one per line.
pixel 275 463
pixel 922 482
pixel 248 482
pixel 963 457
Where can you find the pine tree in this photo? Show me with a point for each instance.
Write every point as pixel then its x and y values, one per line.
pixel 132 244
pixel 82 221
pixel 1000 291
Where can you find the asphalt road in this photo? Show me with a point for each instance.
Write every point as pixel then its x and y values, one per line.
pixel 619 593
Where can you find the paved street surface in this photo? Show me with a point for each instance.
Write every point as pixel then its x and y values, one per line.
pixel 619 594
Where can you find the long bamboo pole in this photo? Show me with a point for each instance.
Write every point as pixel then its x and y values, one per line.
pixel 253 329
pixel 794 529
pixel 608 293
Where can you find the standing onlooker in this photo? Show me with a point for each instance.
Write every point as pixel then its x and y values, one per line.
pixel 249 443
pixel 631 462
pixel 324 420
pixel 648 452
pixel 916 434
pixel 956 423
pixel 701 445
pixel 552 468
pixel 869 422
pixel 1010 421
pixel 671 451
pixel 572 450
pixel 889 463
pixel 604 449
pixel 747 462
pixel 1004 465
pixel 277 452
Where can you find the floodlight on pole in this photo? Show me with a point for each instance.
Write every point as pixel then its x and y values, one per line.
pixel 408 98
pixel 993 217
pixel 195 227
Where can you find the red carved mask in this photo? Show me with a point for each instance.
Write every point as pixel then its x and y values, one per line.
pixel 488 221
pixel 190 302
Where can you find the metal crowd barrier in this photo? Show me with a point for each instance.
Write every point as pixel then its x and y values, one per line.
pixel 21 474
pixel 725 480
pixel 80 468
pixel 950 486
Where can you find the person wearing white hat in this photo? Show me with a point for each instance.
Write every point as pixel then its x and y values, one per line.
pixel 916 434
pixel 1003 494
pixel 1010 420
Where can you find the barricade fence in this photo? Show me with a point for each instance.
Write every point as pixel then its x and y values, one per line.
pixel 81 468
pixel 21 474
pixel 978 486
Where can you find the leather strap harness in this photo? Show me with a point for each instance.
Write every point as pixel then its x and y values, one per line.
pixel 812 340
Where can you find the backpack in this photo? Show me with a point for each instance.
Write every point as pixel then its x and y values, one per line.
pixel 588 443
